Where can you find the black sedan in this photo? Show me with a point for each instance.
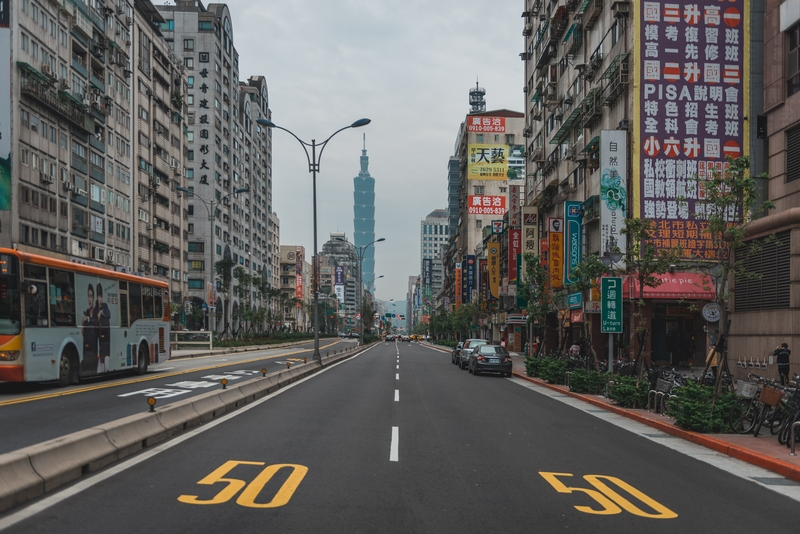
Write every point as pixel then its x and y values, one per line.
pixel 490 359
pixel 454 357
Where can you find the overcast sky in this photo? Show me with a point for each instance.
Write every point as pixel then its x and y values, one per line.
pixel 406 64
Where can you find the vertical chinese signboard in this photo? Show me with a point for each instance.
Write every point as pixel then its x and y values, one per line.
pixel 469 275
pixel 458 284
pixel 530 229
pixel 514 210
pixel 483 278
pixel 298 288
pixel 574 237
pixel 611 305
pixel 514 249
pixel 692 70
pixel 613 190
pixel 493 257
pixel 556 248
pixel 427 277
pixel 5 107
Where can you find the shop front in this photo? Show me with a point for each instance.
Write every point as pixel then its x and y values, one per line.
pixel 679 333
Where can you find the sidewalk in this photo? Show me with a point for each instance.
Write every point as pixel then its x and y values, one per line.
pixel 763 451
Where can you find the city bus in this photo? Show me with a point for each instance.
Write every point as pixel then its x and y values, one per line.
pixel 63 322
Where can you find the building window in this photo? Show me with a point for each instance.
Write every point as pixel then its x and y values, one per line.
pixel 771 288
pixel 793 154
pixel 188 44
pixel 793 67
pixel 205 25
pixel 188 62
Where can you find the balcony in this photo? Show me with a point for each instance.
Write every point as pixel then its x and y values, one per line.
pixel 591 10
pixel 559 23
pixel 574 39
pixel 592 107
pixel 619 78
pixel 46 95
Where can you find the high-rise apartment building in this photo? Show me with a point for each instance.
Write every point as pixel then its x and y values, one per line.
pixel 364 218
pixel 226 153
pixel 433 237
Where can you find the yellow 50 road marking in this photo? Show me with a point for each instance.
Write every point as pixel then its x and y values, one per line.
pixel 147 378
pixel 248 497
pixel 609 500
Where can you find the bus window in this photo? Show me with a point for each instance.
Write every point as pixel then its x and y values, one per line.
pixel 62 298
pixel 123 310
pixel 147 302
pixel 35 293
pixel 157 303
pixel 9 296
pixel 135 301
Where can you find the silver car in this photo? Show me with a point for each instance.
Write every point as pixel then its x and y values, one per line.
pixel 456 350
pixel 466 350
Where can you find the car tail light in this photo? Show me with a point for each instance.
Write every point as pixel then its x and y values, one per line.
pixel 507 359
pixel 481 358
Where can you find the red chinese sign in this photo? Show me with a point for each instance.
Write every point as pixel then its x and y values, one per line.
pixel 486 205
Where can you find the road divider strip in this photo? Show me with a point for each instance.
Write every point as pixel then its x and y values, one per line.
pixel 30 472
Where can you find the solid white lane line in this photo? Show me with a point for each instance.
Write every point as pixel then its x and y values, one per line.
pixel 397 395
pixel 394 454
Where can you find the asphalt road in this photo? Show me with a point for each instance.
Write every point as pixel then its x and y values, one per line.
pixel 32 413
pixel 408 443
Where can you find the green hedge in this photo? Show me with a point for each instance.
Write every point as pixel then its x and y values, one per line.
pixel 623 391
pixel 446 343
pixel 692 409
pixel 587 381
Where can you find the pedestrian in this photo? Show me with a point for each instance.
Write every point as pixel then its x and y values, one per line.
pixel 503 342
pixel 783 353
pixel 712 360
pixel 575 350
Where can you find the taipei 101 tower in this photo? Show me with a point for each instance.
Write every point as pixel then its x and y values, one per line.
pixel 364 217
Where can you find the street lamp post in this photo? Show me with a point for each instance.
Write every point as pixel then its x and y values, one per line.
pixel 360 251
pixel 211 207
pixel 313 168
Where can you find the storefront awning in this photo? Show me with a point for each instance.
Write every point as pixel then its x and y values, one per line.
pixel 674 286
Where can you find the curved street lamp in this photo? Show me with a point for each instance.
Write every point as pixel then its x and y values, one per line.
pixel 313 167
pixel 211 206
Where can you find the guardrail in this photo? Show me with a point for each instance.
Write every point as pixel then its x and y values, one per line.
pixel 188 339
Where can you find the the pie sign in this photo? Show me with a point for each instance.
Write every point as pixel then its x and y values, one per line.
pixel 711 312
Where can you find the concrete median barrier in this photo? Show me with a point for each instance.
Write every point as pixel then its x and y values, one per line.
pixel 67 458
pixel 19 482
pixel 33 471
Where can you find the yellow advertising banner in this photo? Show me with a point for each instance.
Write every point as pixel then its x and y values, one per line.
pixel 487 162
pixel 556 246
pixel 493 257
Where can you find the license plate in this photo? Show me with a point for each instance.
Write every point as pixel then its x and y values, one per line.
pixel 494 360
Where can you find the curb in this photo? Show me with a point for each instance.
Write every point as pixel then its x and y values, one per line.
pixel 31 472
pixel 775 465
pixel 236 350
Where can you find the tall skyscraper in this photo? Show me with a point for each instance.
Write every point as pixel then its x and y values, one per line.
pixel 364 217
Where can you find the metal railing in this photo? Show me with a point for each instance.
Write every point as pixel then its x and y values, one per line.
pixel 189 339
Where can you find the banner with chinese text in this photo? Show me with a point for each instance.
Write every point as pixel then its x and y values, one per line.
pixel 556 248
pixel 487 162
pixel 484 124
pixel 613 190
pixel 691 75
pixel 493 257
pixel 514 249
pixel 486 205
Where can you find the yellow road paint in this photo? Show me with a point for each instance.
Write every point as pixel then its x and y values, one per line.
pixel 609 500
pixel 146 378
pixel 252 490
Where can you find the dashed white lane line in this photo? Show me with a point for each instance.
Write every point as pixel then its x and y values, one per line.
pixel 397 376
pixel 398 366
pixel 397 395
pixel 394 453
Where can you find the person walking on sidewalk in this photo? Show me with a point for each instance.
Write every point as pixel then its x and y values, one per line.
pixel 783 353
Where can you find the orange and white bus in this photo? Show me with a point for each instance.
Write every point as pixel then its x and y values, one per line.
pixel 62 321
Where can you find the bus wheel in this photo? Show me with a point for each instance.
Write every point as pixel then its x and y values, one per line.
pixel 144 356
pixel 66 368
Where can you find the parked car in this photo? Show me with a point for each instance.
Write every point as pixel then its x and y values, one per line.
pixel 455 353
pixel 490 359
pixel 466 350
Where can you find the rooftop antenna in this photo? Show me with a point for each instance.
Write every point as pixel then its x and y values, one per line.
pixel 476 100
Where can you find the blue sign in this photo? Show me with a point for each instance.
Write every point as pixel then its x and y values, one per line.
pixel 575 300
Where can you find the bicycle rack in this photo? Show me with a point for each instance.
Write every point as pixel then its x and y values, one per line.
pixel 792 430
pixel 656 396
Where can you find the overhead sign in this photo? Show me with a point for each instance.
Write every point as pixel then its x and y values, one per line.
pixel 611 305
